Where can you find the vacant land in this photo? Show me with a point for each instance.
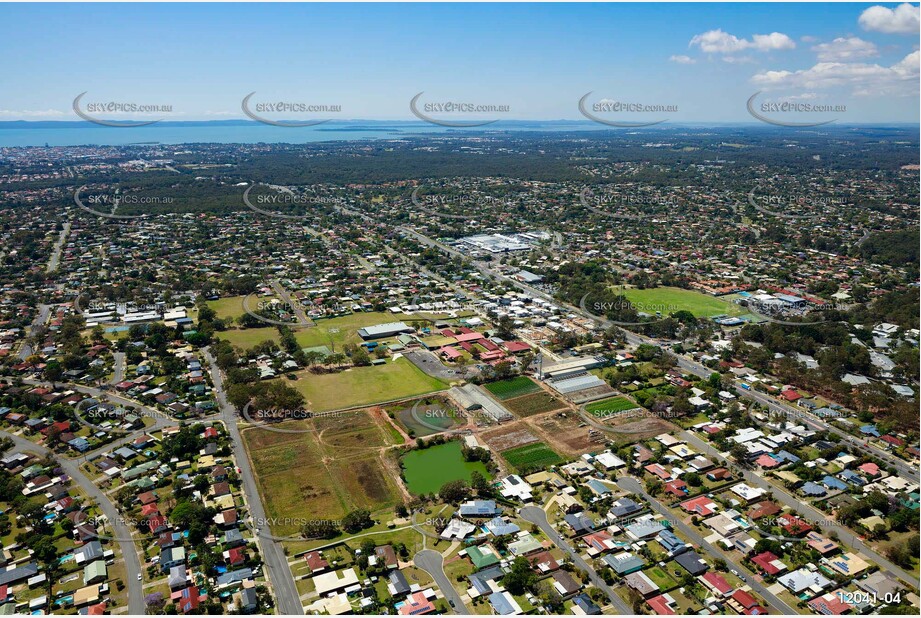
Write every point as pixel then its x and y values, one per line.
pixel 531 457
pixel 361 386
pixel 568 433
pixel 426 470
pixel 331 468
pixel 668 300
pixel 536 403
pixel 513 387
pixel 504 438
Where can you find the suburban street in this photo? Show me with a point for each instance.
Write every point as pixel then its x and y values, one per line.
pixel 55 260
pixel 121 531
pixel 632 485
pixel 537 516
pixel 276 562
pixel 432 563
pixel 805 510
pixel 43 311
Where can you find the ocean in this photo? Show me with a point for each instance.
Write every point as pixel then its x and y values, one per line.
pixel 86 134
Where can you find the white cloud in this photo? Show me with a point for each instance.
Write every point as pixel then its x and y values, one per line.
pixel 845 48
pixel 719 42
pixel 738 59
pixel 773 41
pixel 682 59
pixel 864 79
pixel 32 113
pixel 903 19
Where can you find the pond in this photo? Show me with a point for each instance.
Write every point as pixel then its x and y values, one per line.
pixel 428 469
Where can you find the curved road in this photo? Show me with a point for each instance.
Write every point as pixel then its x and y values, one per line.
pixel 433 563
pixel 687 365
pixel 129 549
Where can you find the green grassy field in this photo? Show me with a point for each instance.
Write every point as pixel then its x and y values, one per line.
pixel 428 469
pixel 668 300
pixel 607 407
pixel 247 338
pixel 232 306
pixel 531 456
pixel 364 385
pixel 513 387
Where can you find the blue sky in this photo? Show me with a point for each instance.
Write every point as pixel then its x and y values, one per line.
pixel 538 59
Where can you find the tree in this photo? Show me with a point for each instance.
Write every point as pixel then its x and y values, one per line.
pixel 454 491
pixel 480 484
pixel 357 520
pixel 521 578
pixel 320 529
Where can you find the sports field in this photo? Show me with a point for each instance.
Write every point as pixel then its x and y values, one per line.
pixel 531 456
pixel 360 386
pixel 668 300
pixel 513 387
pixel 428 469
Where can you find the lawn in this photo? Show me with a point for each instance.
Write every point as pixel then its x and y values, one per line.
pixel 531 456
pixel 609 407
pixel 361 386
pixel 247 338
pixel 339 331
pixel 668 300
pixel 513 387
pixel 661 578
pixel 231 307
pixel 426 470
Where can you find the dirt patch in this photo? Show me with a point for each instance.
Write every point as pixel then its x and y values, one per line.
pixel 507 437
pixel 641 429
pixel 536 403
pixel 568 434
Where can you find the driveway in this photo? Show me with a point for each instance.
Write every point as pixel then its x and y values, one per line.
pixel 433 563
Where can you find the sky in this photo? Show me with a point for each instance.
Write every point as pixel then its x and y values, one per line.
pixel 704 60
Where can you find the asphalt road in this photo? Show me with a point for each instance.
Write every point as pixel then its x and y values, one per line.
pixel 118 374
pixel 630 484
pixel 537 516
pixel 55 260
pixel 808 513
pixel 121 530
pixel 273 555
pixel 43 310
pixel 432 563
